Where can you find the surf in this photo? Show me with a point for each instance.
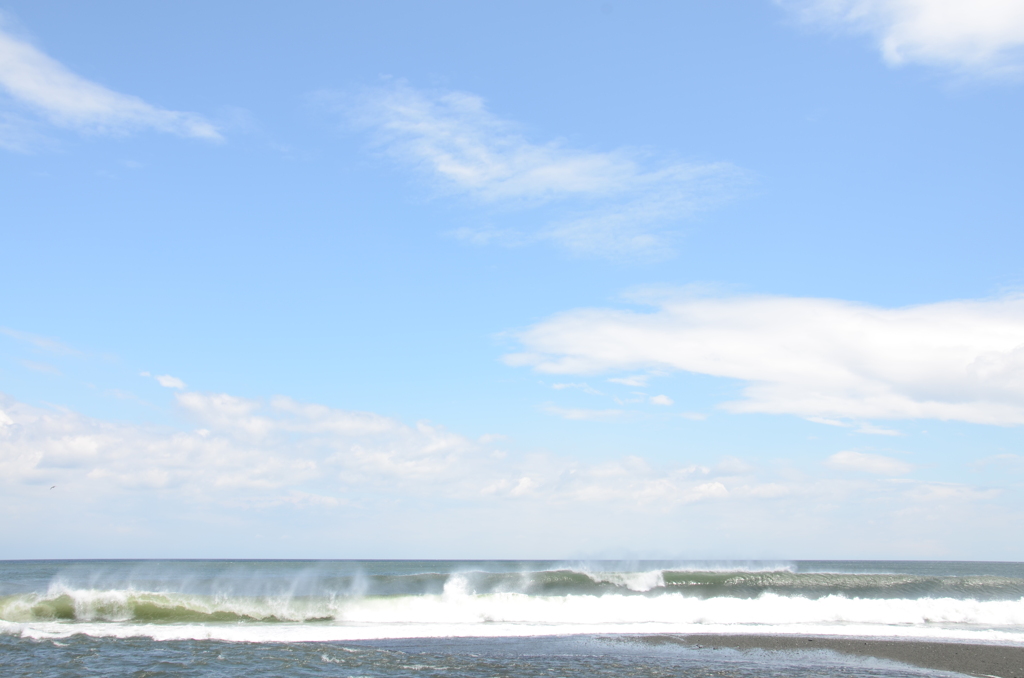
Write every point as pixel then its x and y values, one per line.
pixel 285 601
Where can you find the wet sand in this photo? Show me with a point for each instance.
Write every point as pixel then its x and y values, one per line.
pixel 1002 661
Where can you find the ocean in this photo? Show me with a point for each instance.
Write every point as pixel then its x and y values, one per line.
pixel 486 618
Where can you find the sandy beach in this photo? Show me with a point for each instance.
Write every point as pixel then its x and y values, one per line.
pixel 1002 661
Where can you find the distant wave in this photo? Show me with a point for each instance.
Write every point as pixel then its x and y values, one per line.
pixel 580 581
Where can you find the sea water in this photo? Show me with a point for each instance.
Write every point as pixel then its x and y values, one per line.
pixel 482 618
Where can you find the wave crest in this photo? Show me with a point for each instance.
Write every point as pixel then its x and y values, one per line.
pixel 459 606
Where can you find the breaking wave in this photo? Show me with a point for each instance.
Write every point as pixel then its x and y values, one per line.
pixel 559 600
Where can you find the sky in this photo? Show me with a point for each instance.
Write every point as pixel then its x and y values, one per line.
pixel 688 280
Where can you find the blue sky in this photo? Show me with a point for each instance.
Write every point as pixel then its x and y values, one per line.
pixel 694 280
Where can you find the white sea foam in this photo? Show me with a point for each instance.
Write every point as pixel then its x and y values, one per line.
pixel 634 581
pixel 457 585
pixel 460 613
pixel 330 633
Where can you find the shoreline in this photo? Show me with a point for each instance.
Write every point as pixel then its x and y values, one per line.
pixel 1001 661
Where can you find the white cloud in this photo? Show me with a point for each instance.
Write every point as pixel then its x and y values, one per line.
pixel 661 400
pixel 47 87
pixel 618 205
pixel 261 450
pixel 524 486
pixel 971 35
pixel 282 452
pixel 167 381
pixel 868 463
pixel 822 359
pixel 248 469
pixel 639 380
pixel 454 137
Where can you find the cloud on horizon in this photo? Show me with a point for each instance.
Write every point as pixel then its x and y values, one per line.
pixel 247 466
pixel 269 453
pixel 617 202
pixel 976 36
pixel 37 83
pixel 822 359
